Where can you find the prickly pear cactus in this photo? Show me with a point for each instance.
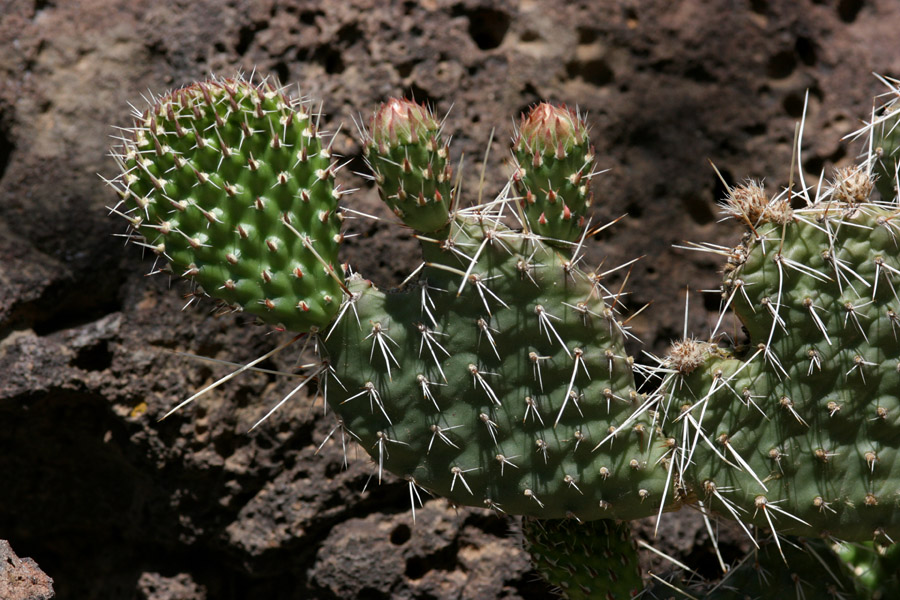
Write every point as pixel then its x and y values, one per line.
pixel 229 182
pixel 497 378
pixel 798 429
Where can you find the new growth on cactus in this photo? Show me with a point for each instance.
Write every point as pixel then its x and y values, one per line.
pixel 410 164
pixel 497 375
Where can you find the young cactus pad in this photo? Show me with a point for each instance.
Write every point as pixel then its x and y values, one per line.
pixel 230 182
pixel 799 430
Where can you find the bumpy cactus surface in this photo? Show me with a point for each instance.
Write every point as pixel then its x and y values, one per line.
pixel 497 376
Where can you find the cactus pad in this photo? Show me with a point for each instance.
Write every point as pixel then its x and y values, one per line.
pixel 230 182
pixel 409 163
pixel 494 379
pixel 886 148
pixel 585 561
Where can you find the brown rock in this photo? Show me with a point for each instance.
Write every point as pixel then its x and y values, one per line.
pixel 22 578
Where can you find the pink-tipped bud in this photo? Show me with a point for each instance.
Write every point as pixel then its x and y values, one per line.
pixel 401 122
pixel 550 129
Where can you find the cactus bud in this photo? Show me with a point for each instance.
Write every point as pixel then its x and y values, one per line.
pixel 409 163
pixel 550 130
pixel 401 121
pixel 554 168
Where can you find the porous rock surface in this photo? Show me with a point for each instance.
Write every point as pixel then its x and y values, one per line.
pixel 22 578
pixel 113 503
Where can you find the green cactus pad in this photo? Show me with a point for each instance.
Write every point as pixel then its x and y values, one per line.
pixel 494 380
pixel 230 182
pixel 585 561
pixel 409 162
pixel 555 162
pixel 799 430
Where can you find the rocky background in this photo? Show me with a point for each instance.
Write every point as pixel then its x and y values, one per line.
pixel 115 505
